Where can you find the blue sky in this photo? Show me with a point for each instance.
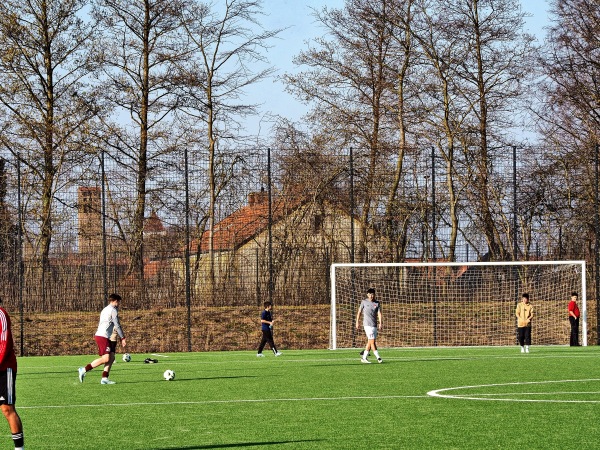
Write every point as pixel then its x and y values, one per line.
pixel 295 16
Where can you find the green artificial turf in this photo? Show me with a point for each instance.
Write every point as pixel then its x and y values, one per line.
pixel 325 399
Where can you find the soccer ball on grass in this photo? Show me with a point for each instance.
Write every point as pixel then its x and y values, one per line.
pixel 169 375
pixel 126 357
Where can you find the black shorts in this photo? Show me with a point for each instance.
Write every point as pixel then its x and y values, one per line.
pixel 8 378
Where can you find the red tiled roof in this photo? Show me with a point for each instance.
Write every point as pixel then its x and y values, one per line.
pixel 245 223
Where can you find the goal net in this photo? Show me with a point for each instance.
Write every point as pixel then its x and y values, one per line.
pixel 457 304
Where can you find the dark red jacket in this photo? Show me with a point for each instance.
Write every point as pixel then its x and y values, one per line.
pixel 8 359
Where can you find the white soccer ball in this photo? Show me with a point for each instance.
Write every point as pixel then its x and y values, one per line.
pixel 169 375
pixel 126 357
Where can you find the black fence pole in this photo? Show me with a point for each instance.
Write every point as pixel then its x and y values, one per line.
pixel 433 250
pixel 514 181
pixel 597 246
pixel 188 293
pixel 104 250
pixel 270 227
pixel 352 249
pixel 20 257
pixel 515 270
pixel 352 205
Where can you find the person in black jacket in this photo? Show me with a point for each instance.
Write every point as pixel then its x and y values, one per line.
pixel 266 326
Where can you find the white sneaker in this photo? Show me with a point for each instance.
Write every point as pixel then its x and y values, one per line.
pixel 526 349
pixel 278 354
pixel 522 349
pixel 365 361
pixel 260 355
pixel 106 381
pixel 81 374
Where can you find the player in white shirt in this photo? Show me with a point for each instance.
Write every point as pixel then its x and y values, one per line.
pixel 109 321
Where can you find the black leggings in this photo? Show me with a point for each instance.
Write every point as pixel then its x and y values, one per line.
pixel 267 338
pixel 574 342
pixel 524 335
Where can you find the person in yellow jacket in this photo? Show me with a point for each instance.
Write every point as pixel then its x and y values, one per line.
pixel 524 315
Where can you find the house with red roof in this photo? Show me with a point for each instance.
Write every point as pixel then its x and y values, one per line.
pixel 307 235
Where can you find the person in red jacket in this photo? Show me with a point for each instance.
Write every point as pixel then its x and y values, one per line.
pixel 8 377
pixel 574 320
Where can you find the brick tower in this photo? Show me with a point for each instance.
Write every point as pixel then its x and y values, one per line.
pixel 89 214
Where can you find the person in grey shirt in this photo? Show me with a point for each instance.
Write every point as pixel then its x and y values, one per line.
pixel 372 323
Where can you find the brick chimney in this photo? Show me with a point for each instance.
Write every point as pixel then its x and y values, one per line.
pixel 257 198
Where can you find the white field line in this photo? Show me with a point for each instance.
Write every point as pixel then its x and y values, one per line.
pixel 282 359
pixel 516 394
pixel 442 393
pixel 235 401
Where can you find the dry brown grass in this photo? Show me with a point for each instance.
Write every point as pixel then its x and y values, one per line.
pixel 238 328
pixel 166 330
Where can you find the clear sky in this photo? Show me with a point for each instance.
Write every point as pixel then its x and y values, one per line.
pixel 296 17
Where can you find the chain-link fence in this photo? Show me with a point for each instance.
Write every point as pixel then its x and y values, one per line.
pixel 217 240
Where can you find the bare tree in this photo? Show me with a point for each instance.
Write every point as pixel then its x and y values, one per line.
pixel 356 77
pixel 142 45
pixel 496 61
pixel 573 70
pixel 444 111
pixel 227 43
pixel 569 115
pixel 44 47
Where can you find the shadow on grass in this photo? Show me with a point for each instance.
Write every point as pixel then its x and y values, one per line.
pixel 235 445
pixel 183 380
pixel 353 363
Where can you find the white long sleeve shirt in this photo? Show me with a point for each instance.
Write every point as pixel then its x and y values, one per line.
pixel 109 320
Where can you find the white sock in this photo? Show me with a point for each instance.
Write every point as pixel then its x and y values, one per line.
pixel 376 353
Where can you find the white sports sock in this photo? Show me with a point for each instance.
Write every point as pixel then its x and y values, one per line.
pixel 376 353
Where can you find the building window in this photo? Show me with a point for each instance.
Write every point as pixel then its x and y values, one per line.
pixel 317 222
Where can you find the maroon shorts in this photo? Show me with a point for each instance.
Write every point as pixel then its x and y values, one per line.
pixel 104 347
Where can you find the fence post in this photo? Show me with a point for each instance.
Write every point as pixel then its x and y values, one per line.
pixel 270 227
pixel 433 252
pixel 20 255
pixel 104 261
pixel 514 180
pixel 597 246
pixel 188 295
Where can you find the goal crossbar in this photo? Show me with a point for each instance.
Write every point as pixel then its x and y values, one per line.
pixel 461 303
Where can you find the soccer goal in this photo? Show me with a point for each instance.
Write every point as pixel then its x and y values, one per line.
pixel 457 304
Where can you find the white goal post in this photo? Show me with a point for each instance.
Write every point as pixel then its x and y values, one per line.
pixel 457 304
